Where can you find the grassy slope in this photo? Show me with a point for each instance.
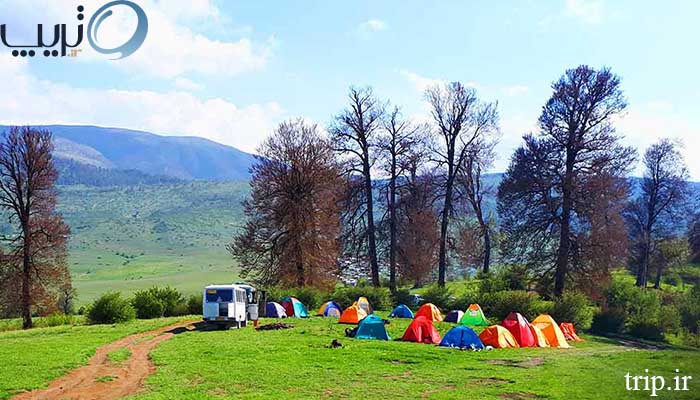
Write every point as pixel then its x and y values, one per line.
pixel 131 238
pixel 31 359
pixel 298 363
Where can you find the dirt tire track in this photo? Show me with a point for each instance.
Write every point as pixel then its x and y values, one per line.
pixel 127 378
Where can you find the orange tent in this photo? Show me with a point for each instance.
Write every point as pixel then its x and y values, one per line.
pixel 352 315
pixel 570 332
pixel 429 311
pixel 363 303
pixel 498 337
pixel 551 330
pixel 540 338
pixel 421 330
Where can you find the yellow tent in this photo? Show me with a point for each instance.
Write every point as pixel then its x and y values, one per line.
pixel 498 337
pixel 352 315
pixel 551 331
pixel 429 311
pixel 363 303
pixel 540 338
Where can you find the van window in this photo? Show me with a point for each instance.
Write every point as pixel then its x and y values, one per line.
pixel 219 295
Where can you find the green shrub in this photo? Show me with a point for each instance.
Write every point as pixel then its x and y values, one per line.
pixel 182 309
pixel 498 305
pixel 379 298
pixel 690 310
pixel 171 299
pixel 111 308
pixel 609 321
pixel 573 307
pixel 646 330
pixel 147 304
pixel 512 277
pixel 311 298
pixel 402 296
pixel 58 319
pixel 194 304
pixel 440 296
pixel 673 279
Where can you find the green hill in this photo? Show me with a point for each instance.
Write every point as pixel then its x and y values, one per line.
pixel 127 238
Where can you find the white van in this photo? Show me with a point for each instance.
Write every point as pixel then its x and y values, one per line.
pixel 225 305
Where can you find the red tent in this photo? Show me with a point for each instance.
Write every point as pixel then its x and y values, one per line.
pixel 421 330
pixel 569 332
pixel 519 327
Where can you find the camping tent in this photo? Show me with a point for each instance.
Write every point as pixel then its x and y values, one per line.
pixel 570 332
pixel 540 338
pixel 363 303
pixel 429 311
pixel 274 310
pixel 401 311
pixel 352 315
pixel 454 316
pixel 474 316
pixel 372 327
pixel 518 326
pixel 498 337
pixel 462 337
pixel 551 331
pixel 330 309
pixel 294 307
pixel 421 330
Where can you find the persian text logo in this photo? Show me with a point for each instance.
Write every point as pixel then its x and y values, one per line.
pixel 61 45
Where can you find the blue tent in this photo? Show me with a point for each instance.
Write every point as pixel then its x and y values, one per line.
pixel 462 337
pixel 372 327
pixel 274 310
pixel 401 311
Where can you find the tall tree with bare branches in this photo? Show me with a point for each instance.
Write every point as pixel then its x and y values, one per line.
pixel 355 134
pixel 37 247
pixel 293 217
pixel 461 121
pixel 545 196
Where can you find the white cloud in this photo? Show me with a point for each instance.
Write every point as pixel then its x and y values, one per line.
pixel 515 90
pixel 371 26
pixel 172 48
pixel 186 84
pixel 420 82
pixel 173 112
pixel 588 11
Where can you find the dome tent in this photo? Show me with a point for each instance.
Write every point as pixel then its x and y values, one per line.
pixel 363 303
pixel 401 311
pixel 330 309
pixel 274 310
pixel 294 307
pixel 540 338
pixel 462 337
pixel 474 316
pixel 551 331
pixel 518 326
pixel 352 315
pixel 421 330
pixel 498 337
pixel 454 316
pixel 429 311
pixel 372 327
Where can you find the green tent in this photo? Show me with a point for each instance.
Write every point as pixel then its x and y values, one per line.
pixel 372 327
pixel 474 316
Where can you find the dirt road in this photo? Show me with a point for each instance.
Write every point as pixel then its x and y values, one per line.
pixel 105 379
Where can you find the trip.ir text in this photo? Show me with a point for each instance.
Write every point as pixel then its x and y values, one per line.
pixel 656 383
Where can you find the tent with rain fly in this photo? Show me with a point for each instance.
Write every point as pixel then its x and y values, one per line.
pixel 551 330
pixel 372 327
pixel 363 303
pixel 429 311
pixel 421 330
pixel 474 316
pixel 352 315
pixel 274 310
pixel 454 316
pixel 462 337
pixel 498 337
pixel 330 309
pixel 540 338
pixel 518 326
pixel 570 332
pixel 294 307
pixel 401 311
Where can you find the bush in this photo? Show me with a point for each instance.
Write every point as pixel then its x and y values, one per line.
pixel 512 277
pixel 498 305
pixel 111 308
pixel 673 279
pixel 690 310
pixel 402 296
pixel 573 307
pixel 440 296
pixel 147 304
pixel 609 321
pixel 646 330
pixel 311 298
pixel 194 304
pixel 379 298
pixel 171 298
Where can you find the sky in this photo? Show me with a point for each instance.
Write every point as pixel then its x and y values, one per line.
pixel 231 70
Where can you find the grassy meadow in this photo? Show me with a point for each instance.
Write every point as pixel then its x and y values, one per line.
pixel 299 363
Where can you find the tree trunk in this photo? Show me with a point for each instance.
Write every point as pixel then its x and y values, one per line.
pixel 643 269
pixel 371 234
pixel 26 296
pixel 657 281
pixel 487 247
pixel 442 262
pixel 392 229
pixel 562 264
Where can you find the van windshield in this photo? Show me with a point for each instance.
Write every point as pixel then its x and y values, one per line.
pixel 219 295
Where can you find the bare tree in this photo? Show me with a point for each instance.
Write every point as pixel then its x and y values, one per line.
pixel 291 235
pixel 37 247
pixel 654 215
pixel 354 136
pixel 461 121
pixel 545 196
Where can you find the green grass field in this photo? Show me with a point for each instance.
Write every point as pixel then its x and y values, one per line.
pixel 299 363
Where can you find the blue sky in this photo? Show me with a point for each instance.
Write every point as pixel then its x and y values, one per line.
pixel 231 70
